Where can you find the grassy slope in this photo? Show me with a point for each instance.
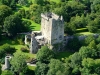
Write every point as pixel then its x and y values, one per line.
pixel 34 26
pixel 63 54
pixel 17 47
pixel 57 1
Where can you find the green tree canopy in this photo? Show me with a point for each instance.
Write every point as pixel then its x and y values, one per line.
pixel 90 66
pixel 41 68
pixel 39 2
pixel 18 63
pixel 0 69
pixel 13 25
pixel 23 2
pixel 56 67
pixel 10 3
pixel 87 52
pixel 45 54
pixel 7 72
pixel 4 12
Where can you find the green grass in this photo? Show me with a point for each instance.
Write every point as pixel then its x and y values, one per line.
pixel 34 26
pixel 81 28
pixel 86 33
pixel 31 67
pixel 83 33
pixel 57 1
pixel 22 7
pixel 17 47
pixel 61 55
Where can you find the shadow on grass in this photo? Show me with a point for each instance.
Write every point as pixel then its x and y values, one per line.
pixel 64 54
pixel 32 27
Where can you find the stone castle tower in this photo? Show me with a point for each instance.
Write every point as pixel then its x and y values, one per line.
pixel 52 28
pixel 52 33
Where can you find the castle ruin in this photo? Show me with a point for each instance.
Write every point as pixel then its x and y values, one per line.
pixel 52 32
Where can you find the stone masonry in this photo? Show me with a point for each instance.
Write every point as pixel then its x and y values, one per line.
pixel 52 32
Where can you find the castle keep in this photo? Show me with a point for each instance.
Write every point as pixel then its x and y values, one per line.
pixel 52 32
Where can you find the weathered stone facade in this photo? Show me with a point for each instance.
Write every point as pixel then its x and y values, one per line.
pixel 52 32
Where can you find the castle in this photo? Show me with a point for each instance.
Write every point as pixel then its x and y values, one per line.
pixel 51 33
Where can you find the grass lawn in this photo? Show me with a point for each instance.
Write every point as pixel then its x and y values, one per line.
pixel 57 1
pixel 22 7
pixel 34 26
pixel 31 67
pixel 17 47
pixel 61 55
pixel 83 33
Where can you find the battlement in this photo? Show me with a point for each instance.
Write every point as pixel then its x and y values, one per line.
pixel 48 16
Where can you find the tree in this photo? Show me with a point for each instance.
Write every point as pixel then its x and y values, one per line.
pixel 68 30
pixel 88 39
pixel 4 12
pixel 6 49
pixel 92 26
pixel 39 2
pixel 95 6
pixel 92 44
pixel 87 52
pixel 75 63
pixel 87 64
pixel 7 72
pixel 78 21
pixel 10 3
pixel 98 50
pixel 13 25
pixel 36 16
pixel 0 69
pixel 45 54
pixel 23 2
pixel 18 63
pixel 41 68
pixel 56 67
pixel 90 66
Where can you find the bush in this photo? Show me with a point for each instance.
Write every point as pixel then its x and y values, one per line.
pixel 20 41
pixel 45 54
pixel 92 29
pixel 6 49
pixel 24 49
pixel 2 60
pixel 88 39
pixel 7 72
pixel 2 53
pixel 13 42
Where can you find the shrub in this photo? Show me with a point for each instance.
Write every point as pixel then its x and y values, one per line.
pixel 24 49
pixel 7 72
pixel 20 41
pixel 13 42
pixel 2 60
pixel 2 53
pixel 6 48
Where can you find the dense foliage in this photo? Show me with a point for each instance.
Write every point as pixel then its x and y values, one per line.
pixel 77 14
pixel 18 63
